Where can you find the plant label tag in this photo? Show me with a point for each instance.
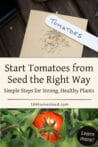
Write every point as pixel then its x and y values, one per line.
pixel 72 31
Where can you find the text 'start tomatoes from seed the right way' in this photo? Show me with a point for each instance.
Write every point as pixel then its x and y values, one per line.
pixel 50 125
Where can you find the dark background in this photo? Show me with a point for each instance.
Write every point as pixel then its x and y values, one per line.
pixel 14 16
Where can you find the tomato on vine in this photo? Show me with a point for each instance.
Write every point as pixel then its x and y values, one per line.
pixel 50 125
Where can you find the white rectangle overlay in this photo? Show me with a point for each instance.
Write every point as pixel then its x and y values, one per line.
pixel 48 83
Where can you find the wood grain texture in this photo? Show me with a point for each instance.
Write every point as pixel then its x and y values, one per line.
pixel 88 9
pixel 26 5
pixel 67 7
pixel 12 36
pixel 3 52
pixel 89 53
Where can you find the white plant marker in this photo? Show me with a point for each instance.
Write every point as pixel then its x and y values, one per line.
pixel 72 31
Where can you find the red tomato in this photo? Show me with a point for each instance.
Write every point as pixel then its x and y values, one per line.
pixel 50 125
pixel 51 137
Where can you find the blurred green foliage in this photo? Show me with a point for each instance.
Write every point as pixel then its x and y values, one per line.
pixel 17 130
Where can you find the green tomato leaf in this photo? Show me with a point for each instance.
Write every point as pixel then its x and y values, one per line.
pixel 3 143
pixel 84 115
pixel 39 142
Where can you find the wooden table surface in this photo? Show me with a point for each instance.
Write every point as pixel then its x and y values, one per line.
pixel 12 34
